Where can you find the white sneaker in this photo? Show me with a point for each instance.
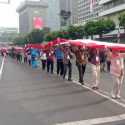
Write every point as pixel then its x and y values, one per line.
pixel 114 96
pixel 118 96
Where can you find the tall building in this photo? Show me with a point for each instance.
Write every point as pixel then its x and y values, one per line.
pixel 53 15
pixel 69 9
pixel 87 10
pixel 111 9
pixel 65 12
pixel 74 12
pixel 32 13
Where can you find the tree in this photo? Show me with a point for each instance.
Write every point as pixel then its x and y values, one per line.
pixel 57 34
pixel 103 27
pixel 20 40
pixel 109 26
pixel 90 28
pixel 62 34
pixel 99 27
pixel 75 32
pixel 50 36
pixel 122 20
pixel 36 36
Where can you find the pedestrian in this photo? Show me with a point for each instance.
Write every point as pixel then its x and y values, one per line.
pixel 29 58
pixel 117 71
pixel 43 60
pixel 67 62
pixel 25 57
pixel 59 57
pixel 108 59
pixel 102 56
pixel 50 60
pixel 22 57
pixel 81 61
pixel 95 64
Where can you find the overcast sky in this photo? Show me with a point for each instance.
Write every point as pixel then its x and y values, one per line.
pixel 8 15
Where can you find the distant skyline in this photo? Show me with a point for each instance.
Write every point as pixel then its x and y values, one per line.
pixel 8 15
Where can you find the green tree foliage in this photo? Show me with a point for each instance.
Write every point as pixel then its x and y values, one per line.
pixel 50 36
pixel 20 40
pixel 36 36
pixel 104 26
pixel 76 32
pixel 56 34
pixel 99 27
pixel 90 28
pixel 122 20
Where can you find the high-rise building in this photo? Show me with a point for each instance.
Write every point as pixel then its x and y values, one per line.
pixel 32 14
pixel 111 9
pixel 74 12
pixel 87 10
pixel 53 15
pixel 68 12
pixel 65 12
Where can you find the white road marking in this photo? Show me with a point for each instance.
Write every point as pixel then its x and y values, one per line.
pixel 101 94
pixel 1 68
pixel 96 120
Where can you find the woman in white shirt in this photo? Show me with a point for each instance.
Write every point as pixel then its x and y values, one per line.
pixel 117 71
pixel 43 60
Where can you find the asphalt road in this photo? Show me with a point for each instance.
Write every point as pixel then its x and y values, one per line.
pixel 106 81
pixel 33 97
pixel 0 60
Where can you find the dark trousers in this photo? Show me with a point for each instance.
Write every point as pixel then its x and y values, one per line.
pixel 43 64
pixel 108 65
pixel 60 67
pixel 81 69
pixel 25 59
pixel 29 62
pixel 69 68
pixel 50 66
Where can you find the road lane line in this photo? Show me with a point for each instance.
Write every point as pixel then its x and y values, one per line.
pixel 98 93
pixel 1 68
pixel 96 120
pixel 101 94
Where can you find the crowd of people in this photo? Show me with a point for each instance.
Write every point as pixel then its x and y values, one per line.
pixel 101 60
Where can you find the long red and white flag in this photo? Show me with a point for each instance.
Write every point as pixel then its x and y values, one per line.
pixel 92 4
